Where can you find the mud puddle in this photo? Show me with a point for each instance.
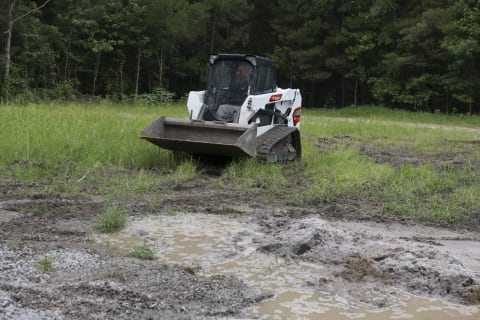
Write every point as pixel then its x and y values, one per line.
pixel 223 246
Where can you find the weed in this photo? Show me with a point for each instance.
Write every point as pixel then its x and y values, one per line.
pixel 247 173
pixel 45 265
pixel 120 275
pixel 395 208
pixel 17 245
pixel 111 220
pixel 186 170
pixel 143 252
pixel 218 277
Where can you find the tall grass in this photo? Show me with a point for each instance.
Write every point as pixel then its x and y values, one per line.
pixel 87 134
pixel 75 145
pixel 78 148
pixel 421 191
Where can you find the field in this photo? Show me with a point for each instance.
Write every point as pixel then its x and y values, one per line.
pixel 71 173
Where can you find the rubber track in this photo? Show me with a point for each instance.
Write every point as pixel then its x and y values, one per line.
pixel 266 141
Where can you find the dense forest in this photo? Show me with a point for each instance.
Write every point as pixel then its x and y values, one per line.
pixel 413 54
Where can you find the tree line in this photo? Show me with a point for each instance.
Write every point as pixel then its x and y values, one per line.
pixel 412 54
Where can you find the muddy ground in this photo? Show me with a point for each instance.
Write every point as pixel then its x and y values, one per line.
pixel 51 267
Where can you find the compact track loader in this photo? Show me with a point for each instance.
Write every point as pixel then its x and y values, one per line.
pixel 242 112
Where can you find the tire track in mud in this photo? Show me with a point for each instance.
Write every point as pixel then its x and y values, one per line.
pixel 357 254
pixel 356 257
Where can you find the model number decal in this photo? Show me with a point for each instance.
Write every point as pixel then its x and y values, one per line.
pixel 276 97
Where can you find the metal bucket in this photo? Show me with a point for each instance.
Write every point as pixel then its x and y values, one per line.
pixel 203 137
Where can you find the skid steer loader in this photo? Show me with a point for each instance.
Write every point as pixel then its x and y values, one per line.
pixel 242 112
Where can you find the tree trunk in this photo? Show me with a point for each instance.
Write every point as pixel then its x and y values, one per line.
pixel 291 66
pixel 10 22
pixel 95 74
pixel 355 92
pixel 214 30
pixel 471 86
pixel 9 40
pixel 121 80
pixel 137 77
pixel 67 58
pixel 160 68
pixel 312 94
pixel 448 103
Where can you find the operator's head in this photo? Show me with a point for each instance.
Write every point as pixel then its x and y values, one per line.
pixel 243 74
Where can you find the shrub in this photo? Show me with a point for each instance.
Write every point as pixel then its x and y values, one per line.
pixel 158 96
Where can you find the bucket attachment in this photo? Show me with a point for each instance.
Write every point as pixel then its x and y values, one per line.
pixel 203 137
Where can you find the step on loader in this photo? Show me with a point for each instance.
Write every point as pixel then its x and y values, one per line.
pixel 241 113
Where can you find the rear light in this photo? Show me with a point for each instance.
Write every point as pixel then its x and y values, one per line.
pixel 296 115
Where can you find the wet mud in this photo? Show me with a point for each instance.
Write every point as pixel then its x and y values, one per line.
pixel 221 255
pixel 250 263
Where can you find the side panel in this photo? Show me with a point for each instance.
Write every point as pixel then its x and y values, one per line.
pixel 284 101
pixel 195 103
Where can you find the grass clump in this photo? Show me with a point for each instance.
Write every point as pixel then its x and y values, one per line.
pixel 248 173
pixel 113 219
pixel 143 252
pixel 45 265
pixel 186 170
pixel 120 275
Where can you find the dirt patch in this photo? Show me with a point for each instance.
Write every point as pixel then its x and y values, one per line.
pixel 47 220
pixel 397 156
pixel 86 285
pixel 52 269
pixel 81 279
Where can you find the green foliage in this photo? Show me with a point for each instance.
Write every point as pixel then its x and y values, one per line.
pixel 416 55
pixel 186 170
pixel 94 149
pixel 45 265
pixel 340 147
pixel 157 97
pixel 143 252
pixel 251 173
pixel 112 219
pixel 341 172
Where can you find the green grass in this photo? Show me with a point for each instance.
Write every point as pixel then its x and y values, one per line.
pixel 251 173
pixel 422 192
pixel 95 149
pixel 92 135
pixel 73 146
pixel 387 114
pixel 143 252
pixel 45 265
pixel 340 172
pixel 113 219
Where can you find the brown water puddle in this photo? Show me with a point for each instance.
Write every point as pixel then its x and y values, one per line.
pixel 226 246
